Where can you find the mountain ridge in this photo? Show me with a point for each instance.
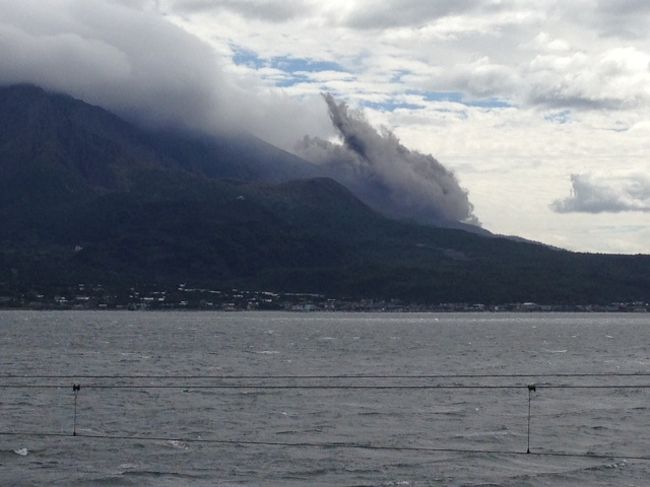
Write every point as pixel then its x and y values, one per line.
pixel 90 198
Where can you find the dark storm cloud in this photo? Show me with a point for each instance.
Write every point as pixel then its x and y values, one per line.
pixel 592 195
pixel 385 174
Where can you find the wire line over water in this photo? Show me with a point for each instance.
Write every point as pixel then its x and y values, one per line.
pixel 343 384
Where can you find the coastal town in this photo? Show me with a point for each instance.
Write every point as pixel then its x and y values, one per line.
pixel 185 297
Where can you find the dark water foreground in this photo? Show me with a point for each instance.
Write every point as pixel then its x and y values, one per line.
pixel 314 435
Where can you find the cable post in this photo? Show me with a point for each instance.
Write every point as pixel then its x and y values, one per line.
pixel 531 389
pixel 75 390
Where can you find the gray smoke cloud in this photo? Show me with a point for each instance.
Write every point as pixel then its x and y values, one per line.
pixel 614 195
pixel 386 175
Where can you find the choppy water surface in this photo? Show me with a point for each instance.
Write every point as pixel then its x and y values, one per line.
pixel 601 421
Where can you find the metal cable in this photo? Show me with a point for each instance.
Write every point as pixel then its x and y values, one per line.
pixel 363 446
pixel 325 386
pixel 323 377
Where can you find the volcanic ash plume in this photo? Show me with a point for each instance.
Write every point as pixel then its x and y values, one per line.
pixel 386 175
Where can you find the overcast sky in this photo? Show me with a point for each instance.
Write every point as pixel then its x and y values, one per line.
pixel 541 108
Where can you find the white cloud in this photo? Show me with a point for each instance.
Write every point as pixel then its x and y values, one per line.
pixel 128 58
pixel 270 10
pixel 108 54
pixel 410 13
pixel 544 42
pixel 481 78
pixel 591 194
pixel 616 78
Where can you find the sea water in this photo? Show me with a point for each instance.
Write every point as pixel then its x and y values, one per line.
pixel 421 435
